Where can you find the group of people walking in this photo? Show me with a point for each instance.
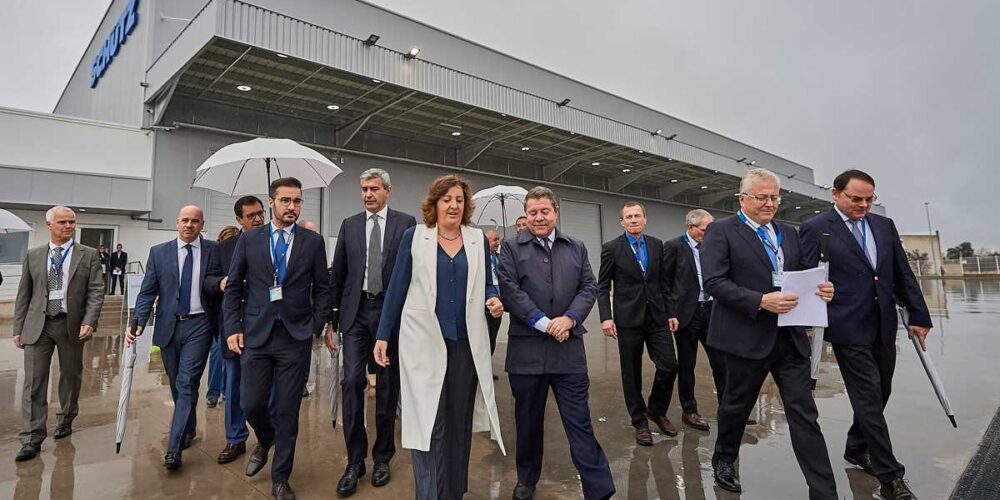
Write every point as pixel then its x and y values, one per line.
pixel 420 302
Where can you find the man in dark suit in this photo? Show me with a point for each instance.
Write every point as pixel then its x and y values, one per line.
pixel 362 265
pixel 493 324
pixel 250 214
pixel 743 260
pixel 690 309
pixel 186 320
pixel 276 301
pixel 119 262
pixel 868 266
pixel 520 224
pixel 59 300
pixel 549 289
pixel 632 265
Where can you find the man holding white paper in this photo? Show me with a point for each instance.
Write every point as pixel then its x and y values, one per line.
pixel 743 264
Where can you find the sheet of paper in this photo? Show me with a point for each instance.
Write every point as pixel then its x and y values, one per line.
pixel 811 310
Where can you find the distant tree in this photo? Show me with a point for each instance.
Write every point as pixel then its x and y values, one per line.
pixel 916 255
pixel 964 249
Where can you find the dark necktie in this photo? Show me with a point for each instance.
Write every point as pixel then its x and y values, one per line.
pixel 375 257
pixel 187 272
pixel 637 246
pixel 55 281
pixel 859 236
pixel 547 245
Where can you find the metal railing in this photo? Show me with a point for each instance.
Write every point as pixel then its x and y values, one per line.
pixel 985 265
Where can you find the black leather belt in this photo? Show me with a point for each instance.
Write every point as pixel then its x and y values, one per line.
pixel 372 296
pixel 56 316
pixel 185 317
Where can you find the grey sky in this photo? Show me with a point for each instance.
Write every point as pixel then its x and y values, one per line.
pixel 907 90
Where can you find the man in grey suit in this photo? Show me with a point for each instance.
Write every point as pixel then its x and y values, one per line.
pixel 58 303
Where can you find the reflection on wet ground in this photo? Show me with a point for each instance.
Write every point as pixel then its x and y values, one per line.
pixel 85 465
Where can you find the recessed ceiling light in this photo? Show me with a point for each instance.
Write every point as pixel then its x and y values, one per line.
pixel 333 107
pixel 243 88
pixel 572 133
pixel 456 133
pixel 82 209
pixel 626 170
pixel 376 81
pixel 595 164
pixel 798 208
pixel 704 187
pixel 525 148
pixel 670 159
pixel 815 211
pixel 503 114
pixel 283 56
pixel 674 181
pixel 641 151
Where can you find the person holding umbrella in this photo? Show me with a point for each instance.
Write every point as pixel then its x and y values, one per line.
pixel 869 267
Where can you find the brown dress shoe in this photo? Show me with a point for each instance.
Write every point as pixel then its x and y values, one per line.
pixel 664 424
pixel 642 436
pixel 695 421
pixel 231 452
pixel 897 489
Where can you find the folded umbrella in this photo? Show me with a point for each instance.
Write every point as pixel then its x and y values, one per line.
pixel 931 370
pixel 818 332
pixel 128 364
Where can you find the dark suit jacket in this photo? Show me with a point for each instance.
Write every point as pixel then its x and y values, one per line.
pixel 119 261
pixel 348 270
pixel 864 304
pixel 305 292
pixel 737 273
pixel 532 284
pixel 681 274
pixel 634 292
pixel 163 280
pixel 218 269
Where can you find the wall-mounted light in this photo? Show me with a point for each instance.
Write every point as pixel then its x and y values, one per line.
pixel 372 40
pixel 412 54
pixel 658 132
pixel 563 102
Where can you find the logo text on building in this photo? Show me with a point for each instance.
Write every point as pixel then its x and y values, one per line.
pixel 122 29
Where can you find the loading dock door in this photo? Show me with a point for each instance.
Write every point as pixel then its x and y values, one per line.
pixel 582 221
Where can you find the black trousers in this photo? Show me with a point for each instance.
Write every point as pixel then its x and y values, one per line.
pixel 656 337
pixel 120 279
pixel 281 363
pixel 790 370
pixel 867 372
pixel 493 328
pixel 688 338
pixel 358 344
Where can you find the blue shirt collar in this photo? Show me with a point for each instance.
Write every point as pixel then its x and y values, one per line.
pixel 632 239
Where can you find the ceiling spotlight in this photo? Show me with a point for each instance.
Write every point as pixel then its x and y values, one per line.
pixel 670 159
pixel 376 81
pixel 704 187
pixel 333 107
pixel 503 115
pixel 641 151
pixel 595 164
pixel 525 148
pixel 626 170
pixel 412 54
pixel 815 211
pixel 283 56
pixel 243 88
pixel 754 162
pixel 674 181
pixel 563 102
pixel 798 208
pixel 456 133
pixel 372 40
pixel 658 131
pixel 826 186
pixel 81 210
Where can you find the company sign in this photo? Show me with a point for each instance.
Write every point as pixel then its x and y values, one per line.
pixel 119 34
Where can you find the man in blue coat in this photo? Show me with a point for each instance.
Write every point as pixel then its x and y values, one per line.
pixel 276 301
pixel 869 268
pixel 549 288
pixel 186 320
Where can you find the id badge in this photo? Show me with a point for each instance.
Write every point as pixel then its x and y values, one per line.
pixel 777 279
pixel 57 294
pixel 274 293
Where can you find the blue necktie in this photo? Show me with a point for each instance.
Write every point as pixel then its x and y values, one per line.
pixel 184 307
pixel 766 240
pixel 281 251
pixel 639 257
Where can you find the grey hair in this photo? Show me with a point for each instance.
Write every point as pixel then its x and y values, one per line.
pixel 50 215
pixel 696 217
pixel 758 175
pixel 376 173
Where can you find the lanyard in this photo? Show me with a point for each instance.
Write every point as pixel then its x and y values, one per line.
pixel 274 247
pixel 767 241
pixel 639 243
pixel 62 260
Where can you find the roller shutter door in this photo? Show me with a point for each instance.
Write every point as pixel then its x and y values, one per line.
pixel 582 221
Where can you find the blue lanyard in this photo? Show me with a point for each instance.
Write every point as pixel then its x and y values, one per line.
pixel 637 247
pixel 767 241
pixel 274 246
pixel 62 260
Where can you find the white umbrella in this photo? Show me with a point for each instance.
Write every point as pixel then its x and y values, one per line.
pixel 499 206
pixel 818 333
pixel 10 223
pixel 246 167
pixel 931 370
pixel 128 365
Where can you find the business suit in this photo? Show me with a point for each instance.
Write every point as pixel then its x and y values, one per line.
pixel 536 284
pixel 640 315
pixel 356 312
pixel 862 322
pixel 738 272
pixel 278 335
pixel 693 310
pixel 41 333
pixel 119 260
pixel 182 333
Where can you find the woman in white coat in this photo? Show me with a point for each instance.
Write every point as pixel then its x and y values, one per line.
pixel 440 287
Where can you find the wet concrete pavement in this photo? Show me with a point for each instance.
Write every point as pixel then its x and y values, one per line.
pixel 964 345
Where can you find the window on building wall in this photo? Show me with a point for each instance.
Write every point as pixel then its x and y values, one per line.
pixel 13 247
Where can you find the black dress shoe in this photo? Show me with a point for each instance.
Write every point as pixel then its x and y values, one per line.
pixel 862 460
pixel 348 483
pixel 282 491
pixel 28 452
pixel 725 477
pixel 62 431
pixel 187 440
pixel 231 452
pixel 380 474
pixel 897 489
pixel 257 460
pixel 523 492
pixel 172 460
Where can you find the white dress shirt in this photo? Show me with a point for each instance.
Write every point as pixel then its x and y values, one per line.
pixel 702 296
pixel 871 250
pixel 369 226
pixel 289 240
pixel 67 256
pixel 771 235
pixel 195 304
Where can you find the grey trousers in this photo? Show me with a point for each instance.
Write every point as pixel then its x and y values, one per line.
pixel 37 360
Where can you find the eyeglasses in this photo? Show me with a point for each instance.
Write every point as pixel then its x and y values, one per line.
pixel 858 199
pixel 255 215
pixel 762 198
pixel 289 201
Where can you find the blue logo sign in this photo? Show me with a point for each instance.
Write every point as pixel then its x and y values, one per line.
pixel 123 28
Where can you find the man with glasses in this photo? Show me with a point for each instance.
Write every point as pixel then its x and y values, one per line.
pixel 743 262
pixel 869 268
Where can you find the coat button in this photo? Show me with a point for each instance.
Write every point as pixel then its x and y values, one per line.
pixel 876 278
pixel 545 260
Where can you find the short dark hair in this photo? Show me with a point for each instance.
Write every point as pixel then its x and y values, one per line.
pixel 541 192
pixel 291 182
pixel 244 201
pixel 437 190
pixel 525 217
pixel 840 182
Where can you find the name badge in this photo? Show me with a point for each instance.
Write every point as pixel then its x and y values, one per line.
pixel 274 293
pixel 57 294
pixel 777 279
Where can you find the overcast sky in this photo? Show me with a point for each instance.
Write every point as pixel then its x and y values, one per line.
pixel 907 90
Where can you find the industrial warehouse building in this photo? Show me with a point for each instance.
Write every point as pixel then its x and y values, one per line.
pixel 165 83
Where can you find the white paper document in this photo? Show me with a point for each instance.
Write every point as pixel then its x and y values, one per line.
pixel 811 310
